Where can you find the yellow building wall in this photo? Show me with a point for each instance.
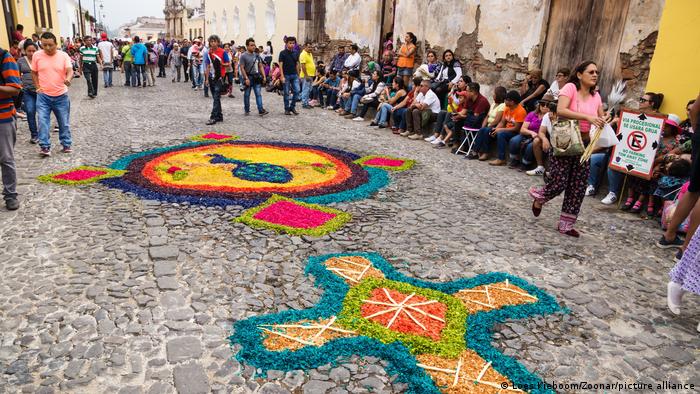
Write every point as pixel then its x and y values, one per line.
pixel 674 67
pixel 268 26
pixel 4 39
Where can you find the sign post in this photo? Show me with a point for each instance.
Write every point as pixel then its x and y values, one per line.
pixel 640 135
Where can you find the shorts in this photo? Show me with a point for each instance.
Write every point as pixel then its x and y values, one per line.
pixel 405 71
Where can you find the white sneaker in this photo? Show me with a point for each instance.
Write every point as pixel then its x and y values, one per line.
pixel 539 171
pixel 590 190
pixel 329 107
pixel 436 141
pixel 358 119
pixel 430 139
pixel 610 199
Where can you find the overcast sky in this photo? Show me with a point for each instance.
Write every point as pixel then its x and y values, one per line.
pixel 118 12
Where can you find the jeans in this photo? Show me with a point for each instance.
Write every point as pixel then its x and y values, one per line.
pixel 399 116
pixel 162 61
pixel 383 112
pixel 138 71
pixel 293 80
pixel 90 71
pixel 195 76
pixel 216 86
pixel 502 140
pixel 127 73
pixel 366 106
pixel 599 163
pixel 332 97
pixel 107 75
pixel 255 87
pixel 186 69
pixel 483 139
pixel 527 156
pixel 352 103
pixel 60 106
pixel 29 99
pixel 306 90
pixel 440 122
pixel 8 138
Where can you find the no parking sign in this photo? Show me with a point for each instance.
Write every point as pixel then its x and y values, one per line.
pixel 639 140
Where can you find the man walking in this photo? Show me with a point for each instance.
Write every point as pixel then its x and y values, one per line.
pixel 162 57
pixel 253 77
pixel 10 85
pixel 289 63
pixel 138 67
pixel 215 64
pixel 308 73
pixel 89 57
pixel 52 73
pixel 185 61
pixel 106 51
pixel 127 60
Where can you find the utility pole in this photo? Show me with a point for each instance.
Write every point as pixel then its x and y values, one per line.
pixel 81 29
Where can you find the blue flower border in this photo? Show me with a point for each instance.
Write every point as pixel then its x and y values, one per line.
pixel 377 179
pixel 400 361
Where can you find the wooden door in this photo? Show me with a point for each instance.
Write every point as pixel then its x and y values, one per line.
pixel 9 19
pixel 580 30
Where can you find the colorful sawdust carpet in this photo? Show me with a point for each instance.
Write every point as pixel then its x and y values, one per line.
pixel 217 169
pixel 435 336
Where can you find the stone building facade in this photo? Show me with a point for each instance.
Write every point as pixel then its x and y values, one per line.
pixel 498 41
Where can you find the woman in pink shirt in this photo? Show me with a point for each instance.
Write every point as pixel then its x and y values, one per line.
pixel 578 100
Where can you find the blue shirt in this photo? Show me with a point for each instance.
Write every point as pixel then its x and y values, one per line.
pixel 139 51
pixel 334 82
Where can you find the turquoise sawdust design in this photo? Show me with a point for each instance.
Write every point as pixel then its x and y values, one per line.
pixel 339 305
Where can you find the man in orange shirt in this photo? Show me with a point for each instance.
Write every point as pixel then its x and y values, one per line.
pixel 511 122
pixel 52 72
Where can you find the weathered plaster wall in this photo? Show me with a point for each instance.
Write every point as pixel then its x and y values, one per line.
pixel 643 19
pixel 354 20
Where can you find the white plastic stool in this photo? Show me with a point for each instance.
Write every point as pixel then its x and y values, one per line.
pixel 470 137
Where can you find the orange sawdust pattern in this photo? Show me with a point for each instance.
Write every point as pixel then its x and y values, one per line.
pixel 353 269
pixel 296 335
pixel 466 374
pixel 405 313
pixel 494 296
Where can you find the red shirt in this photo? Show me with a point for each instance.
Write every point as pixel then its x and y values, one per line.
pixel 477 107
pixel 222 57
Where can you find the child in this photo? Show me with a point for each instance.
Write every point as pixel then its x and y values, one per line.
pixel 669 185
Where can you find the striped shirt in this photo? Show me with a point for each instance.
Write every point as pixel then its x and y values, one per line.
pixel 10 77
pixel 89 54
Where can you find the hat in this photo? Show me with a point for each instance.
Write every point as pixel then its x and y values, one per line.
pixel 103 35
pixel 673 120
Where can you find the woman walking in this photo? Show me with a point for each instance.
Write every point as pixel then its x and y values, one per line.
pixel 28 89
pixel 578 100
pixel 175 61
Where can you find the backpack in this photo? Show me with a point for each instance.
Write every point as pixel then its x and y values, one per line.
pixel 152 57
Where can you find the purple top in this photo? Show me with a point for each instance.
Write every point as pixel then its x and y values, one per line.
pixel 534 120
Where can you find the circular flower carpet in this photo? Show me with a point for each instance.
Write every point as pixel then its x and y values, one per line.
pixel 283 183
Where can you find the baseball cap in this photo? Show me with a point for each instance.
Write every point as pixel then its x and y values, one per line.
pixel 673 120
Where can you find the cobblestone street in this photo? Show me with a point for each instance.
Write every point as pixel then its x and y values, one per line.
pixel 102 291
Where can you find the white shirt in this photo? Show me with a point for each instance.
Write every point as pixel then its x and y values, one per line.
pixel 353 61
pixel 546 123
pixel 106 49
pixel 554 89
pixel 431 100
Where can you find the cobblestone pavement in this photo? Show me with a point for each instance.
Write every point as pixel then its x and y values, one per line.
pixel 104 292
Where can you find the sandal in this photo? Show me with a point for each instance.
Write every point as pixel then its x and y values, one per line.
pixel 637 207
pixel 536 211
pixel 627 205
pixel 571 233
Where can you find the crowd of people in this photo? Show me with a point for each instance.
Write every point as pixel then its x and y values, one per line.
pixel 435 102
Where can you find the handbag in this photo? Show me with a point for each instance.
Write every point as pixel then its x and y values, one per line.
pixel 566 138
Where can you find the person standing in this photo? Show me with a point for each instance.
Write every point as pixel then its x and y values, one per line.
pixel 289 62
pixel 162 57
pixel 127 60
pixel 308 73
pixel 578 100
pixel 10 86
pixel 253 77
pixel 89 57
pixel 215 71
pixel 107 52
pixel 28 89
pixel 138 65
pixel 52 73
pixel 184 49
pixel 175 61
pixel 406 57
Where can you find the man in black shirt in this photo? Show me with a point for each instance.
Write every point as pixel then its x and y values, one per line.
pixel 185 62
pixel 289 62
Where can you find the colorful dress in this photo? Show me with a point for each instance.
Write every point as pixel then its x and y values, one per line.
pixel 687 272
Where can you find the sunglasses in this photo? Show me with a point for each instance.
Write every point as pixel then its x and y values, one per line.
pixel 643 100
